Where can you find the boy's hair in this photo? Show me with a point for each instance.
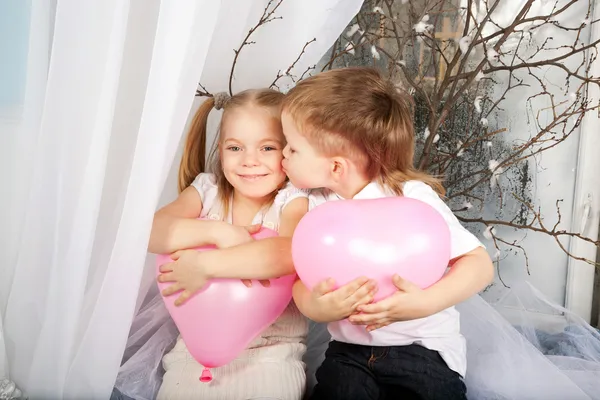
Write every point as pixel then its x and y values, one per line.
pixel 193 161
pixel 357 113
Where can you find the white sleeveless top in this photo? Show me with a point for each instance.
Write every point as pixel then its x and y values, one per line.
pixel 271 366
pixel 291 326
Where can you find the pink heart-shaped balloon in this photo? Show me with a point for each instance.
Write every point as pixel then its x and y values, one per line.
pixel 221 320
pixel 376 238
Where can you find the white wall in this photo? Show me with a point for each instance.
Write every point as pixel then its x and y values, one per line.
pixel 553 174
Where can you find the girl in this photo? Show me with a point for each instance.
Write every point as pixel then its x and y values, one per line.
pixel 245 189
pixel 350 133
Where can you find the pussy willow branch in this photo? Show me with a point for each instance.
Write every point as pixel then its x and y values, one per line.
pixel 292 66
pixel 266 17
pixel 457 80
pixel 393 36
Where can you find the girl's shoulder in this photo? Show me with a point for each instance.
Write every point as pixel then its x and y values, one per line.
pixel 206 185
pixel 288 193
pixel 205 179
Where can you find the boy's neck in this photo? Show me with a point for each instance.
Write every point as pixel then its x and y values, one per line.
pixel 350 187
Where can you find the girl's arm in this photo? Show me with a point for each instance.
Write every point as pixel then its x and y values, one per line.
pixel 260 259
pixel 175 227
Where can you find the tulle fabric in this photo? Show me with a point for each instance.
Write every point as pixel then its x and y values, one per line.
pixel 153 334
pixel 530 359
pixel 527 360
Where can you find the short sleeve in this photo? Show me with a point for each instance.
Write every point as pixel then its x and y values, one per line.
pixel 206 185
pixel 288 193
pixel 462 241
pixel 317 197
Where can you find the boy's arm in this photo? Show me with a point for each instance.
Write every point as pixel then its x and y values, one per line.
pixel 468 275
pixel 305 302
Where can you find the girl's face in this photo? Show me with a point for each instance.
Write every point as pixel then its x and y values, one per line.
pixel 251 151
pixel 304 166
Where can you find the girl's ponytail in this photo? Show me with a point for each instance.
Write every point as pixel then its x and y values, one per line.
pixel 193 161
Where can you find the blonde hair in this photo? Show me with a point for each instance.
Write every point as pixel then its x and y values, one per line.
pixel 193 161
pixel 357 113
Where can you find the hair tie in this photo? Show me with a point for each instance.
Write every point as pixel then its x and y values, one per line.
pixel 221 100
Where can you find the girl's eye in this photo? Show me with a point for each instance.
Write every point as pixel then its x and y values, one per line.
pixel 234 148
pixel 269 148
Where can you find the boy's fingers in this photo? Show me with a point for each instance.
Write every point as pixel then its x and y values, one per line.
pixel 361 291
pixel 350 288
pixel 324 287
pixel 380 307
pixel 368 319
pixel 371 328
pixel 367 299
pixel 360 295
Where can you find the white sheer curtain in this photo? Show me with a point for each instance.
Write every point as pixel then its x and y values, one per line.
pixel 86 153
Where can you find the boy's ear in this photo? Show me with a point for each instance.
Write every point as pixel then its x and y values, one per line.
pixel 339 168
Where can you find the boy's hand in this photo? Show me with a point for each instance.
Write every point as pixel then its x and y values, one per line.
pixel 187 272
pixel 333 305
pixel 408 303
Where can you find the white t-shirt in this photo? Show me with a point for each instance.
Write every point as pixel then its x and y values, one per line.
pixel 439 332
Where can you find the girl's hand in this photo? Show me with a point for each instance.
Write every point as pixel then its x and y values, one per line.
pixel 228 235
pixel 408 303
pixel 335 305
pixel 232 235
pixel 187 272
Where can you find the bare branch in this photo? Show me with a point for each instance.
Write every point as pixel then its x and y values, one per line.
pixel 267 16
pixel 288 71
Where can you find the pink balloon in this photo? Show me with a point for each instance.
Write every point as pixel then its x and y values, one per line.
pixel 375 238
pixel 221 320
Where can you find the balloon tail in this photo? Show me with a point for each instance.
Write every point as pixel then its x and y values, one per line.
pixel 206 376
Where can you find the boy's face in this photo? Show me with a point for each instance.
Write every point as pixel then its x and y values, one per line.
pixel 304 166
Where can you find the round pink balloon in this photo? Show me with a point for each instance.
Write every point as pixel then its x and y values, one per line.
pixel 376 238
pixel 221 320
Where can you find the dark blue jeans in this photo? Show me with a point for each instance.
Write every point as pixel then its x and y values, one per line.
pixel 354 372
